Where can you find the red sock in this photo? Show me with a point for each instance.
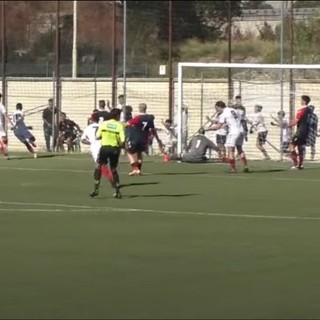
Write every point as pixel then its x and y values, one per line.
pixel 106 173
pixel 5 149
pixel 233 164
pixel 244 161
pixel 134 166
pixel 140 165
pixel 294 158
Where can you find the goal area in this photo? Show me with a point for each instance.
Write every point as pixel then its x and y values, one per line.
pixel 276 87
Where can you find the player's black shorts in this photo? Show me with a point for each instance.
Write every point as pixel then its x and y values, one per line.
pixel 109 155
pixel 221 139
pixel 299 139
pixel 136 145
pixel 262 137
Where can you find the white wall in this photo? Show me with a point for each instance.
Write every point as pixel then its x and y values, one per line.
pixel 78 100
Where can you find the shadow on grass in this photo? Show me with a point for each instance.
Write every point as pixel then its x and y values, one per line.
pixel 138 184
pixel 267 170
pixel 124 196
pixel 160 195
pixel 44 156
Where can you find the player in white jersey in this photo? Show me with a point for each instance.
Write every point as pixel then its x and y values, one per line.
pixel 230 119
pixel 258 124
pixel 221 135
pixel 170 141
pixel 3 135
pixel 88 137
pixel 21 131
pixel 281 122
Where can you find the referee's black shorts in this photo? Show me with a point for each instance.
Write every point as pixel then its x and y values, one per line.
pixel 109 155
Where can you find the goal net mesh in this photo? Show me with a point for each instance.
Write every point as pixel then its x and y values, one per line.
pixel 200 86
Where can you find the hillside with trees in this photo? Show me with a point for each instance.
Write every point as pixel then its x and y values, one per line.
pixel 199 33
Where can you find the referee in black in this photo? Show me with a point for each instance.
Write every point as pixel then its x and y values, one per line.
pixel 111 134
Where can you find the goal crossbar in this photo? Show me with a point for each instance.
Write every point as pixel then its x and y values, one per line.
pixel 182 65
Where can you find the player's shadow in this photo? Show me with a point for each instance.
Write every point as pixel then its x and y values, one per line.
pixel 160 195
pixel 44 156
pixel 134 184
pixel 267 171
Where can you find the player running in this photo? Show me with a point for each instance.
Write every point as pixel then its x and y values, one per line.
pixel 111 134
pixel 138 133
pixel 3 135
pixel 21 131
pixel 89 138
pixel 232 120
pixel 299 139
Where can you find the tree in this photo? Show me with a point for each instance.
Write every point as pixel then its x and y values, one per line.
pixel 255 4
pixel 191 19
pixel 306 4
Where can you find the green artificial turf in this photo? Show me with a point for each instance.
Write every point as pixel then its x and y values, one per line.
pixel 186 241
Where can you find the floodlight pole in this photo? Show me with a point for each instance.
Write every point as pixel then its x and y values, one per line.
pixel 114 62
pixel 171 83
pixel 230 91
pixel 3 50
pixel 74 42
pixel 124 67
pixel 291 83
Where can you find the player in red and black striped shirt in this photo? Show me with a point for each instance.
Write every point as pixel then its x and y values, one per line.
pixel 299 139
pixel 138 133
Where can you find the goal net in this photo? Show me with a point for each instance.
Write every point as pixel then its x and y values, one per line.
pixel 276 87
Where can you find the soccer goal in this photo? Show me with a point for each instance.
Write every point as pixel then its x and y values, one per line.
pixel 274 86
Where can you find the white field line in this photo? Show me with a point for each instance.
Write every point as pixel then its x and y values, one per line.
pixel 90 210
pixel 46 210
pixel 39 204
pixel 200 175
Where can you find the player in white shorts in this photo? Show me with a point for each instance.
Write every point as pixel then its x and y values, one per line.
pixel 231 119
pixel 221 136
pixel 283 123
pixel 170 140
pixel 89 138
pixel 3 135
pixel 258 124
pixel 21 131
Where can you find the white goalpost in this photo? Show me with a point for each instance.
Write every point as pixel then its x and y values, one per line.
pixel 275 86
